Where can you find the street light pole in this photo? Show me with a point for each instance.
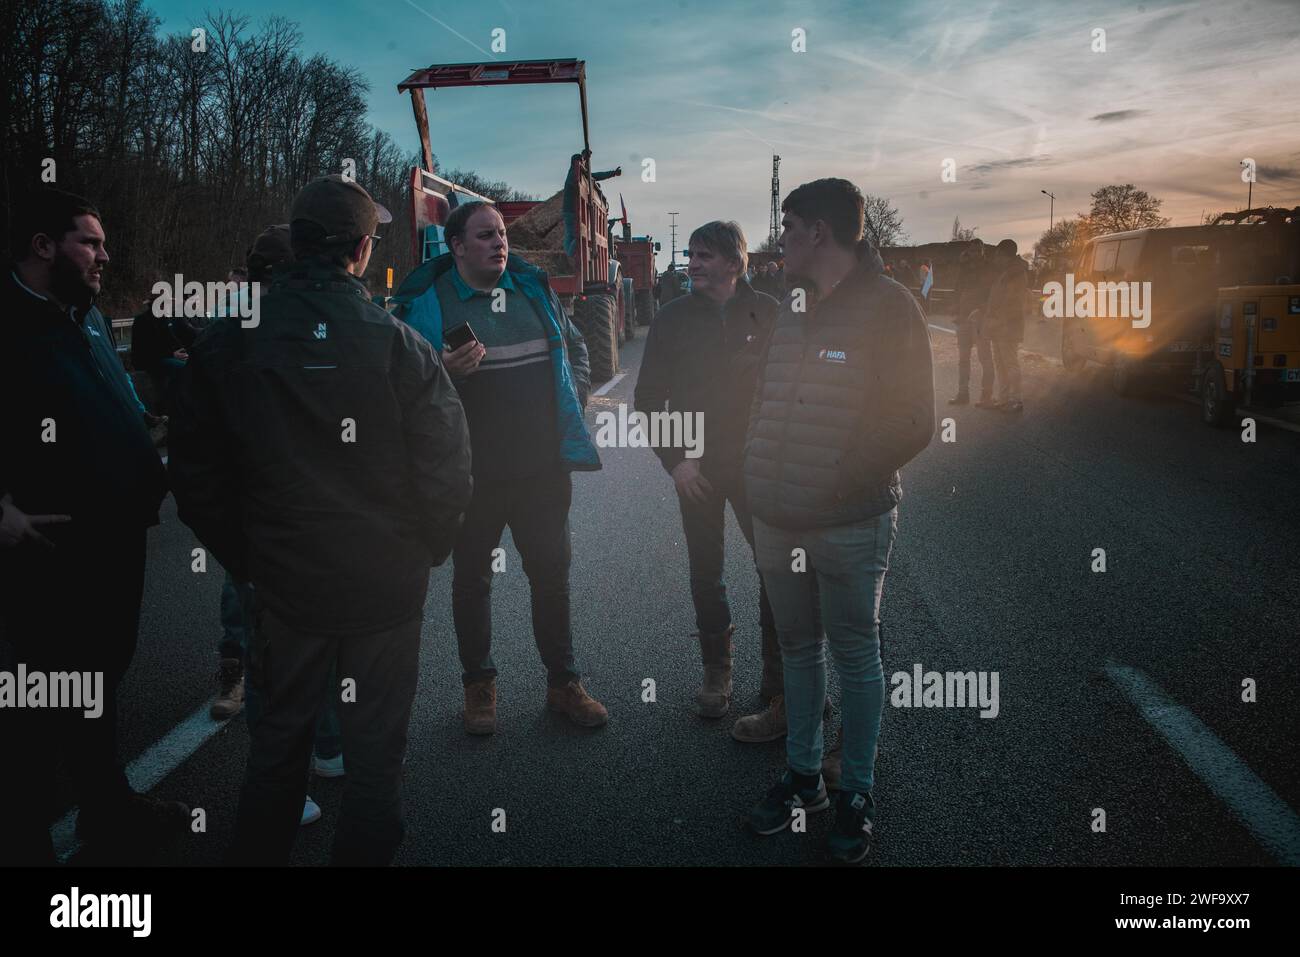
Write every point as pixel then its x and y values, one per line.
pixel 1250 185
pixel 1051 208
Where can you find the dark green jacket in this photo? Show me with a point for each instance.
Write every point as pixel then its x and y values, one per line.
pixel 101 467
pixel 322 454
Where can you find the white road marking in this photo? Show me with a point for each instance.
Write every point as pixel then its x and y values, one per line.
pixel 145 772
pixel 610 384
pixel 1273 822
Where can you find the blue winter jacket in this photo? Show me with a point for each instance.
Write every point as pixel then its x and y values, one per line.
pixel 416 303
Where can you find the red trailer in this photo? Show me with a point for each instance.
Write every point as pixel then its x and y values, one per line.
pixel 589 291
pixel 637 256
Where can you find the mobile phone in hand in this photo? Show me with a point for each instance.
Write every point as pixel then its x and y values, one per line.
pixel 459 336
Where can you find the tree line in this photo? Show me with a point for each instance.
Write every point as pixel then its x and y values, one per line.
pixel 189 145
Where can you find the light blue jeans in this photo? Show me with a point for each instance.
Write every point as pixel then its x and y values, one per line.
pixel 848 563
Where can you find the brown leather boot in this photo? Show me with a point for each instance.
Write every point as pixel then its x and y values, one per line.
pixel 714 697
pixel 572 699
pixel 230 695
pixel 481 707
pixel 767 725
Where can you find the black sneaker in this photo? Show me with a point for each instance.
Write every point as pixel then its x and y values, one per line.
pixel 850 837
pixel 776 810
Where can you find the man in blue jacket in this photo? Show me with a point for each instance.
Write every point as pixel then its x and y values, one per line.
pixel 80 483
pixel 523 380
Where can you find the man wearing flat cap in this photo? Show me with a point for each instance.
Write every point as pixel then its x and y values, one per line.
pixel 322 455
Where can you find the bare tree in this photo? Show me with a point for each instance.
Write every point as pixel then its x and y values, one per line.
pixel 1058 249
pixel 188 154
pixel 1119 208
pixel 884 223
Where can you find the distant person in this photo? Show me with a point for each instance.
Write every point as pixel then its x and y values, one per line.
pixel 774 280
pixel 669 286
pixel 973 280
pixel 80 485
pixel 160 345
pixel 578 162
pixel 1004 323
pixel 322 455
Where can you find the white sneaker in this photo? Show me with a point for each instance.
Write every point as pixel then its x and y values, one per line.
pixel 327 767
pixel 310 812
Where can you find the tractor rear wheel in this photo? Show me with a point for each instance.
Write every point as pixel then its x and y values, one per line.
pixel 645 306
pixel 597 320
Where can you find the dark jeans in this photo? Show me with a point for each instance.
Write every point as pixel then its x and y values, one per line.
pixel 537 511
pixel 238 612
pixel 966 340
pixel 75 608
pixel 703 525
pixel 290 668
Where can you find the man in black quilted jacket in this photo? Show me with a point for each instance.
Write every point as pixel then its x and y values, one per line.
pixel 845 398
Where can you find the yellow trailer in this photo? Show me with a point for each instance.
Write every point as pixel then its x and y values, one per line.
pixel 1256 351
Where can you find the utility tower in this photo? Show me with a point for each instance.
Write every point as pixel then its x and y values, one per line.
pixel 774 228
pixel 672 256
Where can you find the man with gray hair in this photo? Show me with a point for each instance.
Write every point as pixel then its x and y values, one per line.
pixel 701 358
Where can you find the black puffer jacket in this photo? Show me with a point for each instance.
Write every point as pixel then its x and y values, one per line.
pixel 322 455
pixel 845 398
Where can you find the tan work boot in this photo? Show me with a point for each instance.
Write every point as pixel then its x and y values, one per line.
pixel 768 725
pixel 572 699
pixel 481 707
pixel 230 696
pixel 714 697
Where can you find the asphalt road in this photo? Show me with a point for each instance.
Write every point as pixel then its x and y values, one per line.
pixel 991 572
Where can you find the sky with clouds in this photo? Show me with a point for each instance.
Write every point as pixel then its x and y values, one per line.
pixel 1012 93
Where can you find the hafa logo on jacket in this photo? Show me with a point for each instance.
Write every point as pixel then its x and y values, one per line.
pixel 832 355
pixel 320 332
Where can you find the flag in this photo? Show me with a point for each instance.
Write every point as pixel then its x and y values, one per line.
pixel 929 281
pixel 624 205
